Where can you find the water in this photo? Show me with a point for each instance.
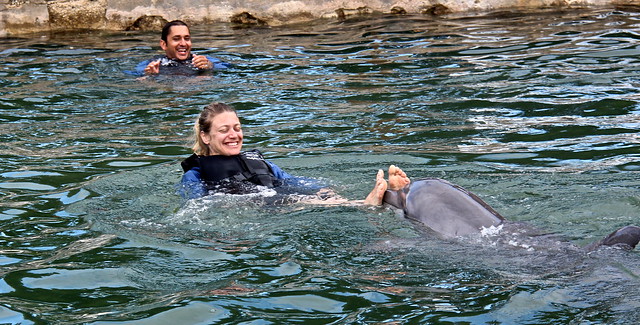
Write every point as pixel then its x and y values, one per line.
pixel 537 114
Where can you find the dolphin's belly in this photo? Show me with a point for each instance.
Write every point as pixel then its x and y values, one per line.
pixel 448 209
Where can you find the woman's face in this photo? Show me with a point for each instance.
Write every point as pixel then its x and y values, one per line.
pixel 225 136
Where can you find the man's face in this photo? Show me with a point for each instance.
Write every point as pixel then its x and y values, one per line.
pixel 178 44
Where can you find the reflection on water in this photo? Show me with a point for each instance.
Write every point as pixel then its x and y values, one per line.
pixel 536 114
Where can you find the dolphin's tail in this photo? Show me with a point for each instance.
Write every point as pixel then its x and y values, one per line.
pixel 625 237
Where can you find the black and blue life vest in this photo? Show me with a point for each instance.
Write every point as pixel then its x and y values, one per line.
pixel 177 67
pixel 238 174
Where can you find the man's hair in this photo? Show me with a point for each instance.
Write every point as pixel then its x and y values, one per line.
pixel 167 28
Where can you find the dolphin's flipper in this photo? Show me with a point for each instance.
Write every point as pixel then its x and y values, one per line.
pixel 625 237
pixel 446 208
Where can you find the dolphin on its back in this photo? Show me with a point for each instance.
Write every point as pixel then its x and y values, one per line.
pixel 452 211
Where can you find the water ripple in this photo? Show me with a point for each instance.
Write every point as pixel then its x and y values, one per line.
pixel 505 104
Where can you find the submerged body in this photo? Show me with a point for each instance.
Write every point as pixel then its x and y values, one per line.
pixel 169 66
pixel 178 59
pixel 218 164
pixel 243 173
pixel 452 211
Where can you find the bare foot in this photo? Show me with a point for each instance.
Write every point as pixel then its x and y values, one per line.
pixel 397 178
pixel 377 194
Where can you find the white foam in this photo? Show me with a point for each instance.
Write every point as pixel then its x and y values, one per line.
pixel 490 231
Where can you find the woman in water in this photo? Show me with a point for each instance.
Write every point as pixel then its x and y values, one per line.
pixel 219 165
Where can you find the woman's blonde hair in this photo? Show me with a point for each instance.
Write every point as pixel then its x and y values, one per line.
pixel 203 124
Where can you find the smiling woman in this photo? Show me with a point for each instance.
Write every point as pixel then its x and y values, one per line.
pixel 218 131
pixel 219 164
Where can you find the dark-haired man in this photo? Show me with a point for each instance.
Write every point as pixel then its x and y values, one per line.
pixel 178 59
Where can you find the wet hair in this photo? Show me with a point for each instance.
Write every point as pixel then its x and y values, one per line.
pixel 203 124
pixel 167 28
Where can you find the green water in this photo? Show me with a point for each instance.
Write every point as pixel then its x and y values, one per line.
pixel 537 114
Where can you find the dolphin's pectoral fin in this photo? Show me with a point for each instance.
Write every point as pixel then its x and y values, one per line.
pixel 625 237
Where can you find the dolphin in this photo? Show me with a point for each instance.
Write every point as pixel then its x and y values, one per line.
pixel 626 237
pixel 452 211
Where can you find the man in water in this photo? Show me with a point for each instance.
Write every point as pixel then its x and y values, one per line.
pixel 178 59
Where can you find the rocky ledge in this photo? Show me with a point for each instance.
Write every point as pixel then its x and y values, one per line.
pixel 25 16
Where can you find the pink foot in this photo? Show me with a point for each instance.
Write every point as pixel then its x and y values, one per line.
pixel 397 178
pixel 377 194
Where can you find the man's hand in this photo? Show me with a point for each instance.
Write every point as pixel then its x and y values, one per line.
pixel 201 62
pixel 153 67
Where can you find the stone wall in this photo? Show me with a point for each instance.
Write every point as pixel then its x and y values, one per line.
pixel 23 16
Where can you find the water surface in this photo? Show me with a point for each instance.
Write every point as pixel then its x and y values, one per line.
pixel 537 114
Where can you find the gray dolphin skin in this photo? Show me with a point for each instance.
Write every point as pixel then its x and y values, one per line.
pixel 626 237
pixel 446 208
pixel 452 211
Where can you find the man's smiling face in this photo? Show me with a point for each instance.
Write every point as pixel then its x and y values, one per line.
pixel 178 44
